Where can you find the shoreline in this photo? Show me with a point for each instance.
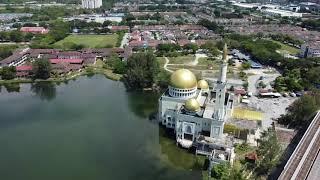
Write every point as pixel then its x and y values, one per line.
pixel 107 73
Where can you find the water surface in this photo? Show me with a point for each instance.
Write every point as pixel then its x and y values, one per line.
pixel 90 128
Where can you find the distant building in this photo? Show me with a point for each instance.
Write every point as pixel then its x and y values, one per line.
pixel 34 30
pixel 91 4
pixel 310 50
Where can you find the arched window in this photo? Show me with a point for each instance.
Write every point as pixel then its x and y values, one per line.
pixel 188 129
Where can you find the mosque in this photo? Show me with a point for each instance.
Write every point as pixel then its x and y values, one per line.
pixel 197 112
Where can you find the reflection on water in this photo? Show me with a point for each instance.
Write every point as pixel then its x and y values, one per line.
pixel 143 104
pixel 14 87
pixel 44 90
pixel 88 129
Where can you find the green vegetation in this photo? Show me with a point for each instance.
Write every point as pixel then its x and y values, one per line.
pixel 142 71
pixel 41 69
pixel 8 73
pixel 246 65
pixel 89 41
pixel 15 36
pixel 312 24
pixel 221 171
pixel 300 113
pixel 299 74
pixel 181 59
pixel 286 39
pixel 116 64
pixel 211 47
pixel 169 50
pixel 6 51
pixel 286 48
pixel 58 31
pixel 224 171
pixel 211 25
pixel 161 61
pixel 269 152
pixel 119 38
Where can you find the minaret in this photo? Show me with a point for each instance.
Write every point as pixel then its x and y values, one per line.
pixel 220 108
pixel 224 66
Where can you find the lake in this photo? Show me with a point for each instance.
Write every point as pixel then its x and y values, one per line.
pixel 89 128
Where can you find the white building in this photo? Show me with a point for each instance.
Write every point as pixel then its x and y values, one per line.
pixel 197 113
pixel 282 13
pixel 91 4
pixel 310 50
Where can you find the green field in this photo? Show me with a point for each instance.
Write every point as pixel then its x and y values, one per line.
pixel 89 41
pixel 181 59
pixel 287 49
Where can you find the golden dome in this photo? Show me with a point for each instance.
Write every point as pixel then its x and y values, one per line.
pixel 192 105
pixel 183 79
pixel 203 84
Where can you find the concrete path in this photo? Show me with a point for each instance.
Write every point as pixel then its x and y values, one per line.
pixel 166 64
pixel 196 59
pixel 125 40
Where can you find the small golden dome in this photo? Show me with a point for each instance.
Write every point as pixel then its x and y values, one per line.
pixel 203 84
pixel 183 79
pixel 192 105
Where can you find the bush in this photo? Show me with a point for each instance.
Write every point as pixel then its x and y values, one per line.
pixel 8 73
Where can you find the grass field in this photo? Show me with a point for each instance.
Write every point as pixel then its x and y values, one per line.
pixel 181 59
pixel 287 49
pixel 161 61
pixel 90 41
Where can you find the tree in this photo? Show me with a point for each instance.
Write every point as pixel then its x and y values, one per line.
pixel 41 69
pixel 221 171
pixel 120 67
pixel 8 73
pixel 300 111
pixel 246 65
pixel 142 70
pixel 269 152
pixel 106 23
pixel 191 47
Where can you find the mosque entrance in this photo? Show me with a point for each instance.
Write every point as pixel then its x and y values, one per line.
pixel 188 136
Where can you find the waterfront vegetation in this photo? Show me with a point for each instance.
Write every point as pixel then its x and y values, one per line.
pixel 142 71
pixel 88 41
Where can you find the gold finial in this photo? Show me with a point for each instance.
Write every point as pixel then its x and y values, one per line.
pixel 225 52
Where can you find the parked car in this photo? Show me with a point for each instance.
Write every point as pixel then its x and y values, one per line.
pixel 293 94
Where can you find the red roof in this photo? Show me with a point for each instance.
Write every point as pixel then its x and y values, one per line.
pixel 24 68
pixel 240 91
pixel 71 61
pixel 34 30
